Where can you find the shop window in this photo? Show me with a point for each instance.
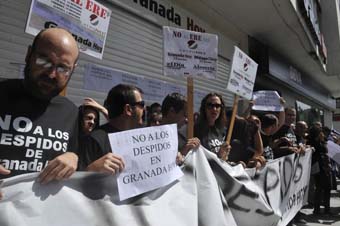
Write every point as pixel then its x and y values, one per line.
pixel 309 114
pixel 338 103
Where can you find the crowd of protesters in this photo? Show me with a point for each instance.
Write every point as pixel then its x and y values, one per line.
pixel 257 137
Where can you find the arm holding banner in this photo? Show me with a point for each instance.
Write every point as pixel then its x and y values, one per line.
pixel 247 112
pixel 109 163
pixel 257 160
pixel 282 115
pixel 3 171
pixel 61 167
pixel 192 143
pixel 224 151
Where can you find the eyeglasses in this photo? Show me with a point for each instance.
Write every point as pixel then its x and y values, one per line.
pixel 211 105
pixel 139 103
pixel 46 64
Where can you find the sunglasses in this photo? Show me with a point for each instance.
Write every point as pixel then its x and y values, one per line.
pixel 211 105
pixel 139 103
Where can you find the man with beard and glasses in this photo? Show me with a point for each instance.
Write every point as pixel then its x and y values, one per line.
pixel 38 128
pixel 125 107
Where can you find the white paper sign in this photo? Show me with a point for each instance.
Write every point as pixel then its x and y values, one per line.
pixel 87 20
pixel 150 159
pixel 189 53
pixel 267 100
pixel 242 74
pixel 333 151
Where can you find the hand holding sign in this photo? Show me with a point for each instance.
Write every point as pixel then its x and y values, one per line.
pixel 267 100
pixel 109 163
pixel 150 157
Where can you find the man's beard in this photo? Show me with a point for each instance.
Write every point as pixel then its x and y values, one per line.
pixel 138 121
pixel 32 85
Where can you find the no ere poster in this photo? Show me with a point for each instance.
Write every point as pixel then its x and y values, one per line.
pixel 87 20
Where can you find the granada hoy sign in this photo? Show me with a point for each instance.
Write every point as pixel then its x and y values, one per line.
pixel 87 20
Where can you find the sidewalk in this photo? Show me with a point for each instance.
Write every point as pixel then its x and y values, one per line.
pixel 308 219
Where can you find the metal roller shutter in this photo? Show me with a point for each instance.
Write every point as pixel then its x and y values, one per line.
pixel 133 44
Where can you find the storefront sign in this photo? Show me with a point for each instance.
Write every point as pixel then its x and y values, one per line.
pixel 242 74
pixel 169 13
pixel 189 53
pixel 87 20
pixel 150 159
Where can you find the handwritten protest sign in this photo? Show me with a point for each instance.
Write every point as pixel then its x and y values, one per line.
pixel 267 100
pixel 189 53
pixel 242 74
pixel 150 159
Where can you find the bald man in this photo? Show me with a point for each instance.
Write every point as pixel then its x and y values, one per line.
pixel 38 128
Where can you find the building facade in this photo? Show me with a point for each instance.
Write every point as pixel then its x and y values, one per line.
pixel 292 65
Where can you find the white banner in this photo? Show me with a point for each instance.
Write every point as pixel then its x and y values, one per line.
pixel 150 159
pixel 189 53
pixel 333 151
pixel 267 100
pixel 242 74
pixel 211 193
pixel 87 20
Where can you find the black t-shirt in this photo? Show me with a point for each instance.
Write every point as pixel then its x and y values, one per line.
pixel 283 147
pixel 286 131
pixel 182 140
pixel 212 139
pixel 34 131
pixel 95 145
pixel 241 149
pixel 267 141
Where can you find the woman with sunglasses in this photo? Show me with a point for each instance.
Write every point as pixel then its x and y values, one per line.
pixel 210 128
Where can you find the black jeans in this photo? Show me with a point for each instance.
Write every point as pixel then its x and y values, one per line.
pixel 322 190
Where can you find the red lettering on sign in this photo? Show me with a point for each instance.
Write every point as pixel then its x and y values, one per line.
pixel 96 9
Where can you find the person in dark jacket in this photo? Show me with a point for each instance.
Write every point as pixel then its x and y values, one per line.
pixel 322 179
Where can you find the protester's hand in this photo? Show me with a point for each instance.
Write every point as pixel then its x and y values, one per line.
pixel 242 163
pixel 262 160
pixel 282 101
pixel 283 141
pixel 109 163
pixel 61 167
pixel 192 143
pixel 224 151
pixel 179 159
pixel 302 149
pixel 257 162
pixel 92 103
pixel 3 171
pixel 295 149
